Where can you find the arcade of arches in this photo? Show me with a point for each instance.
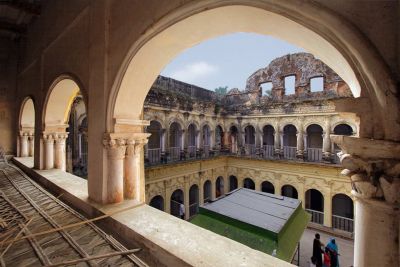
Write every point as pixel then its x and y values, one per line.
pixel 102 57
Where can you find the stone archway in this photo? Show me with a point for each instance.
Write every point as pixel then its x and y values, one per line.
pixel 55 117
pixel 26 129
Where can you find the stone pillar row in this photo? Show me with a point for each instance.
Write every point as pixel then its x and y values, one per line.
pixel 54 150
pixel 26 144
pixel 124 168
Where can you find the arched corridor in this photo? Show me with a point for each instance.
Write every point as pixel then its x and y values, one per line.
pixel 192 141
pixel 25 142
pixel 289 141
pixel 157 202
pixel 315 205
pixel 153 151
pixel 219 191
pixel 219 138
pixel 268 142
pixel 342 213
pixel 233 183
pixel 177 199
pixel 267 187
pixel 233 139
pixel 175 141
pixel 65 110
pixel 206 140
pixel 314 143
pixel 289 191
pixel 250 140
pixel 207 191
pixel 193 200
pixel 249 184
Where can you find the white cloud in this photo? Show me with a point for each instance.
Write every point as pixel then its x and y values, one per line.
pixel 194 71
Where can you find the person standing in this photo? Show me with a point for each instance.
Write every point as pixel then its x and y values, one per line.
pixel 334 252
pixel 182 211
pixel 317 250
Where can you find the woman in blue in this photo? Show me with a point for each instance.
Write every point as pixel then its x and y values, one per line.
pixel 334 252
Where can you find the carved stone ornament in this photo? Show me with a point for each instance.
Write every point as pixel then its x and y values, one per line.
pixel 373 167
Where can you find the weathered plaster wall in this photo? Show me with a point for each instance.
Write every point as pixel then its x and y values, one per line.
pixel 8 93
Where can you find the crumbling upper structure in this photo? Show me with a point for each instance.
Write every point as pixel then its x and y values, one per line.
pixel 304 67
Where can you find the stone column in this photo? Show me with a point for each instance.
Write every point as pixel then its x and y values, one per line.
pixel 115 170
pixel 24 144
pixel 186 202
pixel 48 143
pixel 326 146
pixel 373 168
pixel 300 145
pixel 211 139
pixel 258 185
pixel 167 203
pixel 213 188
pixel 277 142
pixel 328 209
pixel 59 151
pixel 201 191
pixel 226 140
pixel 163 135
pixel 31 145
pixel 133 180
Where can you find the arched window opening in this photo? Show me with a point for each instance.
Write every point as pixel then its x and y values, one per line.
pixel 317 84
pixel 175 142
pixel 315 205
pixel 341 129
pixel 268 142
pixel 249 184
pixel 290 85
pixel 193 200
pixel 176 204
pixel 289 141
pixel 233 183
pixel 153 151
pixel 267 187
pixel 219 138
pixel 192 141
pixel 233 139
pixel 250 141
pixel 219 190
pixel 343 213
pixel 314 142
pixel 206 141
pixel 157 202
pixel 207 191
pixel 289 191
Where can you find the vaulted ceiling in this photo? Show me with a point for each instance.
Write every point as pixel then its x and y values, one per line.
pixel 15 15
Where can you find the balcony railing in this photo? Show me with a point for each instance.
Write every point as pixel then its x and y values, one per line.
pixel 289 152
pixel 316 216
pixel 154 155
pixel 191 151
pixel 314 154
pixel 250 150
pixel 268 151
pixel 174 153
pixel 343 223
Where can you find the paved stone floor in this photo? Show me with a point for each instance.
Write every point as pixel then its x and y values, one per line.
pixel 346 248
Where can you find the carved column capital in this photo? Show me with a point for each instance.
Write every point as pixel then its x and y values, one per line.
pixel 373 167
pixel 115 148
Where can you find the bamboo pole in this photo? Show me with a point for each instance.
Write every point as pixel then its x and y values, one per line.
pixel 68 226
pixel 107 255
pixel 23 226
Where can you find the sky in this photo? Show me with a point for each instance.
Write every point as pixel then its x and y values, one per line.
pixel 227 60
